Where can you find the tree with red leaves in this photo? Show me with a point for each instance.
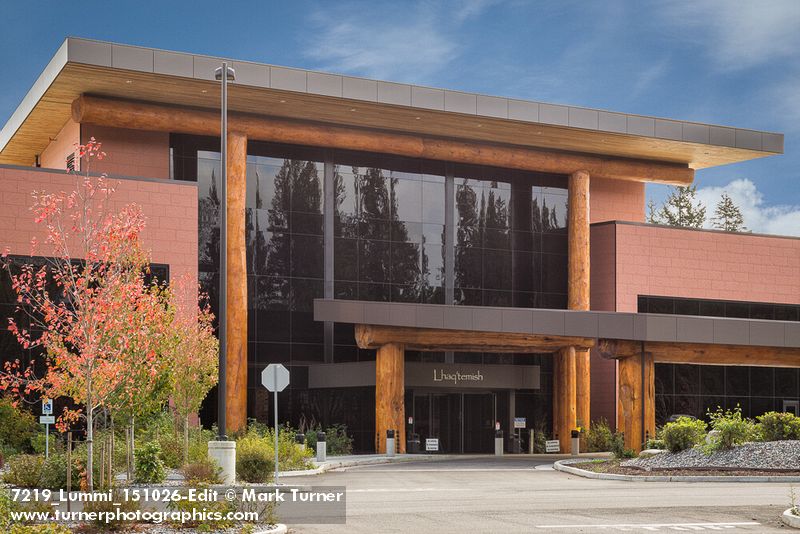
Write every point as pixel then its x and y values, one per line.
pixel 102 329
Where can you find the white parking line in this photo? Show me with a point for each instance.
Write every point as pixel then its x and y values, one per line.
pixel 657 527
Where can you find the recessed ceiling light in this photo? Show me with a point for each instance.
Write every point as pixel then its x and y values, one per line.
pixel 282 101
pixel 128 81
pixel 352 109
pixel 480 125
pixel 204 91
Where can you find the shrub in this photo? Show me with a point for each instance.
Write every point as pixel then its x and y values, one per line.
pixel 776 426
pixel 148 465
pixel 254 459
pixel 195 509
pixel 618 448
pixel 683 434
pixel 171 450
pixel 103 509
pixel 598 439
pixel 338 443
pixel 54 472
pixel 655 444
pixel 198 444
pixel 730 429
pixel 24 470
pixel 17 427
pixel 204 471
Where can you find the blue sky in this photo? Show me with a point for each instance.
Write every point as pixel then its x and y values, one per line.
pixel 724 62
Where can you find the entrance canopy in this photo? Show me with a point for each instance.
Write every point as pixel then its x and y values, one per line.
pixel 637 341
pixel 495 328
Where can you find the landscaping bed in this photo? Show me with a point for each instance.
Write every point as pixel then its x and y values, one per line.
pixel 614 467
pixel 781 458
pixel 770 456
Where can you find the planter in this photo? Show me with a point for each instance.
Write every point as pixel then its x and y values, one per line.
pixel 788 518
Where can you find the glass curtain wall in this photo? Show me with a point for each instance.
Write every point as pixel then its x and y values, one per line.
pixel 695 389
pixel 389 245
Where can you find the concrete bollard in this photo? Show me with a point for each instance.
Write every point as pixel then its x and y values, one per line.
pixel 224 452
pixel 390 442
pixel 576 443
pixel 301 441
pixel 322 451
pixel 498 443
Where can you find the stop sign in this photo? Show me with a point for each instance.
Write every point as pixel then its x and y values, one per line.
pixel 275 377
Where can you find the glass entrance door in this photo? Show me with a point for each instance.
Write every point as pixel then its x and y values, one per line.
pixel 462 422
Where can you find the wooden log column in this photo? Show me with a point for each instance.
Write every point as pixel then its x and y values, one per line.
pixel 390 396
pixel 564 396
pixel 636 413
pixel 236 356
pixel 578 280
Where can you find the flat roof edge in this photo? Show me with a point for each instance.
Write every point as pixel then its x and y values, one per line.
pixel 35 93
pixel 262 75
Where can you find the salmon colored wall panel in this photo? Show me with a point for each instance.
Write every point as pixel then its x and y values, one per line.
pixel 130 152
pixel 170 209
pixel 654 260
pixel 616 200
pixel 55 155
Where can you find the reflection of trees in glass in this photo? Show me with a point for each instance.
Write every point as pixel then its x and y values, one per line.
pixel 482 222
pixel 371 214
pixel 209 224
pixel 297 187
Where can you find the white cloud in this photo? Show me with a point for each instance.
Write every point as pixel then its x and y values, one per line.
pixel 412 42
pixel 649 76
pixel 758 217
pixel 743 33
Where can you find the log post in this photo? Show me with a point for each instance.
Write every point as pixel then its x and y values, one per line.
pixel 636 415
pixel 237 283
pixel 565 396
pixel 578 280
pixel 389 396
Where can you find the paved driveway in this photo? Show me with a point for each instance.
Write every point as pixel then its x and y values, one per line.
pixel 522 495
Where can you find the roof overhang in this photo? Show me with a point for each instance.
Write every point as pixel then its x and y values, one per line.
pixel 104 69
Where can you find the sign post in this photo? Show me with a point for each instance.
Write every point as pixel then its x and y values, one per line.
pixel 47 419
pixel 275 377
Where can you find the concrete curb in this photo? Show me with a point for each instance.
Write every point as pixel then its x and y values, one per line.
pixel 341 464
pixel 789 519
pixel 563 465
pixel 280 528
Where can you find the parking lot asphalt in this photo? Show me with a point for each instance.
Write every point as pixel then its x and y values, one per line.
pixel 518 494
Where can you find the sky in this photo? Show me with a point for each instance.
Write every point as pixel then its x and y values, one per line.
pixel 734 63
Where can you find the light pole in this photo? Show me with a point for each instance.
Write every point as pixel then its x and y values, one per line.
pixel 222 450
pixel 223 252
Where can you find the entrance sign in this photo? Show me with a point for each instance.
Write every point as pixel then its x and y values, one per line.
pixel 275 377
pixel 552 445
pixel 520 422
pixel 432 444
pixel 47 406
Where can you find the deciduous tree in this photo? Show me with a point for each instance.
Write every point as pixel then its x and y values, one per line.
pixel 101 327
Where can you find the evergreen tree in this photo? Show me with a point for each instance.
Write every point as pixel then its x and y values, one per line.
pixel 682 209
pixel 652 216
pixel 728 216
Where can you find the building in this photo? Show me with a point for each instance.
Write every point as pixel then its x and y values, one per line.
pixel 426 260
